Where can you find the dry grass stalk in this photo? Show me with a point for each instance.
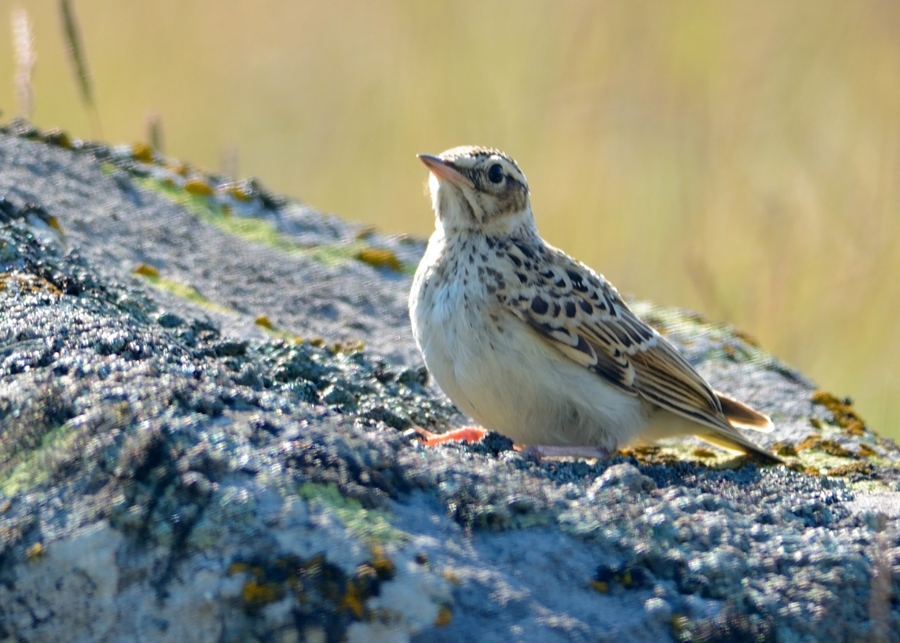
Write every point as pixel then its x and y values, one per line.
pixel 229 160
pixel 79 61
pixel 23 48
pixel 155 131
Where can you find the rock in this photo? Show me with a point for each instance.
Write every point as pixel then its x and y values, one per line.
pixel 204 403
pixel 627 475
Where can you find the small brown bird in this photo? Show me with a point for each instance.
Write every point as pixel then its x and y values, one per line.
pixel 537 346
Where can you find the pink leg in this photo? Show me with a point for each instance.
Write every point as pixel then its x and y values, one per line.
pixel 474 434
pixel 464 434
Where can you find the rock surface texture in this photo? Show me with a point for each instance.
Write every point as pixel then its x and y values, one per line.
pixel 205 397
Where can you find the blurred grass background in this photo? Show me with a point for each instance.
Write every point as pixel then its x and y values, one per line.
pixel 739 159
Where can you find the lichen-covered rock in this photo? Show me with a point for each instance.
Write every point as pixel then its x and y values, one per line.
pixel 205 397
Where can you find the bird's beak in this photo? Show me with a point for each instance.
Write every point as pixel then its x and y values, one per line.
pixel 443 170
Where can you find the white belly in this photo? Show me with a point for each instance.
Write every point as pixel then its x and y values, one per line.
pixel 499 372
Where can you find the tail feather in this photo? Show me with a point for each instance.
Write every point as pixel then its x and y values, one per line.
pixel 737 443
pixel 665 424
pixel 739 414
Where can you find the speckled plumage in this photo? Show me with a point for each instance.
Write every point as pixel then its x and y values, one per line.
pixel 534 344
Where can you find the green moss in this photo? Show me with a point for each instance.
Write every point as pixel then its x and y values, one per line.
pixel 29 468
pixel 870 487
pixel 821 460
pixel 363 523
pixel 187 292
pixel 263 232
pixel 672 451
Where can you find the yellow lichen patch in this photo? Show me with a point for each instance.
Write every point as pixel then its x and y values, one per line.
pixel 257 595
pixel 146 271
pixel 379 258
pixel 815 423
pixel 855 468
pixel 348 346
pixel 652 454
pixel 640 450
pixel 54 223
pixel 264 322
pixel 746 337
pixel 785 449
pixel 237 568
pixel 700 452
pixel 865 451
pixel 27 283
pixel 37 550
pixel 842 411
pixel 444 616
pixel 599 586
pixel 58 137
pixel 383 566
pixel 283 334
pixel 238 191
pixel 826 399
pixel 828 446
pixel 834 448
pixel 318 342
pixel 353 600
pixel 198 187
pixel 451 577
pixel 364 232
pixel 811 442
pixel 855 427
pixel 178 168
pixel 142 152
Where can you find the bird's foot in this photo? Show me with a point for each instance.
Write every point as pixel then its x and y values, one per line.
pixel 538 452
pixel 464 434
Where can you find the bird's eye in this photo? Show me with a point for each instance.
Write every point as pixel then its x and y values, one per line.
pixel 495 174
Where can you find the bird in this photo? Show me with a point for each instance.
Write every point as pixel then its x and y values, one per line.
pixel 537 346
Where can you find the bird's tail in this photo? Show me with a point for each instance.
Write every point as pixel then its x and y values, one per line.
pixel 665 424
pixel 737 443
pixel 739 414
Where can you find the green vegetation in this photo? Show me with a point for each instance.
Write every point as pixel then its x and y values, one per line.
pixel 184 291
pixel 33 466
pixel 364 523
pixel 739 159
pixel 260 231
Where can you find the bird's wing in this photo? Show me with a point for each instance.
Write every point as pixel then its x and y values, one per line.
pixel 581 314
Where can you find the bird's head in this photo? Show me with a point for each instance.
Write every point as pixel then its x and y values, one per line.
pixel 477 189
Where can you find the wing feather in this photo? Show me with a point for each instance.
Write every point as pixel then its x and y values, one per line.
pixel 577 311
pixel 582 315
